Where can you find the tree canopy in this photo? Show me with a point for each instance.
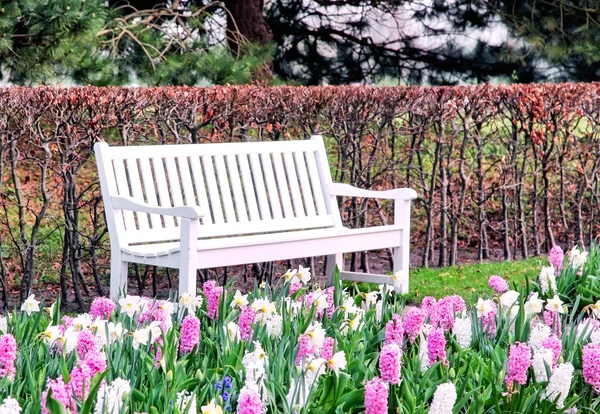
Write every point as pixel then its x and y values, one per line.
pixel 304 41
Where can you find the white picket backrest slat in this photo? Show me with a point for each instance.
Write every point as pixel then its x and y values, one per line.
pixel 309 204
pixel 313 173
pixel 123 188
pixel 163 189
pixel 136 190
pixel 224 189
pixel 290 169
pixel 267 168
pixel 236 188
pixel 248 187
pixel 150 190
pixel 259 186
pixel 284 191
pixel 198 177
pixel 213 190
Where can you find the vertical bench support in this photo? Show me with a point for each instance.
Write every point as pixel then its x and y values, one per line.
pixel 188 252
pixel 401 253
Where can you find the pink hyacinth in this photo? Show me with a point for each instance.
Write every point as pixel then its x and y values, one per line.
pixel 488 322
pixel 245 322
pixel 519 361
pixel 436 346
pixel 327 350
pixel 442 314
pixel 67 322
pixel 190 334
pixel 555 345
pixel 79 385
pixel 376 397
pixel 86 342
pixel 556 258
pixel 498 284
pixel 295 287
pixel 249 401
pixel 331 306
pixel 552 319
pixel 8 354
pixel 591 365
pixel 96 362
pixel 60 393
pixel 389 363
pixel 213 296
pixel 102 308
pixel 413 323
pixel 394 332
pixel 428 304
pixel 155 312
pixel 304 349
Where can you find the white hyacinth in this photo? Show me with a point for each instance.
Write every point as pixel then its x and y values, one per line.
pixel 274 325
pixel 186 402
pixel 542 358
pixel 463 331
pixel 423 355
pixel 110 397
pixel 547 279
pixel 539 333
pixel 255 363
pixel 560 383
pixel 443 399
pixel 10 406
pixel 595 336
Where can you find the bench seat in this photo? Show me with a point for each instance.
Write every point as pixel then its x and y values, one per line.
pixel 200 206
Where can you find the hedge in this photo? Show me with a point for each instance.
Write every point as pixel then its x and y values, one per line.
pixel 512 168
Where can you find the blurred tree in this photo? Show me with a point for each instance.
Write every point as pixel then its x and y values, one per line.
pixel 92 42
pixel 566 34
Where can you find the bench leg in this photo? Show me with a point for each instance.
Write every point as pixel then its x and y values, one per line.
pixel 118 276
pixel 332 261
pixel 401 257
pixel 189 254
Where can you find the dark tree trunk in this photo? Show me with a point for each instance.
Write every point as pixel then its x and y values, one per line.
pixel 246 18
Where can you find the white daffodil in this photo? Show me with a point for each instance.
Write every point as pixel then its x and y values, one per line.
pixel 51 334
pixel 69 340
pixel 370 299
pixel 534 305
pixel 304 274
pixel 320 300
pixel 130 305
pixel 348 307
pixel 337 362
pixel 555 305
pixel 290 276
pixel 316 335
pixel 189 302
pixel 233 330
pixel 211 408
pixel 167 307
pixel 239 300
pixel 484 307
pixel 82 321
pixel 596 309
pixel 116 331
pixel 30 305
pixel 509 298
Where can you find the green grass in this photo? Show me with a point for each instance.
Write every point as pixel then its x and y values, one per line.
pixel 470 281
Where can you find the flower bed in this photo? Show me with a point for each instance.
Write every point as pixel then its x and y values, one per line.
pixel 295 348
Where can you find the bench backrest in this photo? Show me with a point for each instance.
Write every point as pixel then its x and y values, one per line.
pixel 243 188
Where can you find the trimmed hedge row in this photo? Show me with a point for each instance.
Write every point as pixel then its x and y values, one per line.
pixel 508 170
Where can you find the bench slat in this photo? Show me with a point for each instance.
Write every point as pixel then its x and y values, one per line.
pixel 224 189
pixel 150 190
pixel 123 189
pixel 163 190
pixel 236 188
pixel 315 182
pixel 271 186
pixel 309 204
pixel 174 185
pixel 233 229
pixel 248 187
pixel 201 188
pixel 213 190
pixel 290 169
pixel 259 186
pixel 136 189
pixel 284 191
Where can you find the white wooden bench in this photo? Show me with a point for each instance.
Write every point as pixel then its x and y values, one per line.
pixel 200 206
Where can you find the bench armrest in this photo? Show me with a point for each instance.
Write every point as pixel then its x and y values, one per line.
pixel 129 203
pixel 340 189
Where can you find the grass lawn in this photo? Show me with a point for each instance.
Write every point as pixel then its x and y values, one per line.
pixel 469 281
